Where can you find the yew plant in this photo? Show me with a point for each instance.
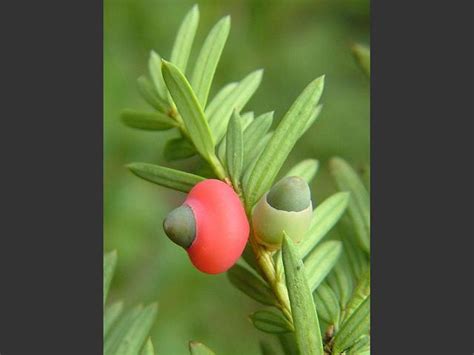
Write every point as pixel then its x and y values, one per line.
pixel 316 293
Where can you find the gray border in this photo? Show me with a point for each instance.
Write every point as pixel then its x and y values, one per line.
pixel 422 177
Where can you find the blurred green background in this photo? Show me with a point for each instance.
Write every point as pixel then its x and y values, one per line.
pixel 294 41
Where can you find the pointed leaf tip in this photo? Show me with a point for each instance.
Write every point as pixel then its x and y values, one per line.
pixel 197 348
pixel 260 72
pixel 184 38
pixel 226 19
pixel 208 59
pixel 362 56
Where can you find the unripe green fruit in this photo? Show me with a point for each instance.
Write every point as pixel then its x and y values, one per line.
pixel 286 207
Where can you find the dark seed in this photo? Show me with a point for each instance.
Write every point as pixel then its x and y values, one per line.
pixel 290 194
pixel 180 226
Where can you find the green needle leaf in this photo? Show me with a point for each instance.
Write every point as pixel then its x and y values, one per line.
pixel 305 319
pixel 305 169
pixel 219 115
pixel 282 141
pixel 196 348
pixel 361 292
pixel 253 154
pixel 184 39
pixel 149 121
pixel 221 150
pixel 111 315
pixel 174 179
pixel 253 157
pixel 325 216
pixel 221 97
pixel 254 134
pixel 154 67
pixel 138 331
pixel 359 204
pixel 270 322
pixel 247 118
pixel 313 118
pixel 118 331
pixel 208 58
pixel 178 148
pixel 320 262
pixel 362 56
pixel 358 260
pixel 328 306
pixel 354 328
pixel 340 281
pixel 147 91
pixel 234 149
pixel 148 348
pixel 189 109
pixel 251 285
pixel 110 260
pixel 361 347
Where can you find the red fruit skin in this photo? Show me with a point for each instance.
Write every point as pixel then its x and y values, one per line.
pixel 222 229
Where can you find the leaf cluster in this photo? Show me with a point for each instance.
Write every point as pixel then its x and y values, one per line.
pixel 316 293
pixel 127 332
pixel 328 281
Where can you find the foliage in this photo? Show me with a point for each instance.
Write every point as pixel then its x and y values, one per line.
pixel 241 150
pixel 125 331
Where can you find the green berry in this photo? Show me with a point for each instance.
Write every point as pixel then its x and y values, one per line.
pixel 287 207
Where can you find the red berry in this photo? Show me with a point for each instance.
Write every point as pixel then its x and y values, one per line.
pixel 221 226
